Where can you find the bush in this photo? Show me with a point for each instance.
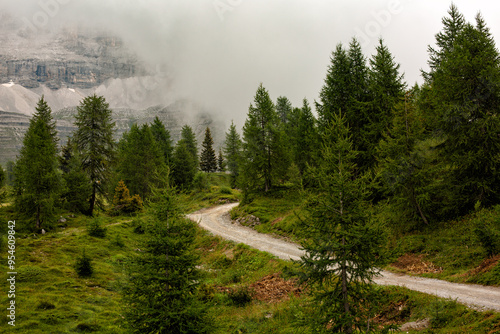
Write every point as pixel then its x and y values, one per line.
pixel 200 181
pixel 95 229
pixel 83 266
pixel 225 190
pixel 240 296
pixel 123 203
pixel 488 237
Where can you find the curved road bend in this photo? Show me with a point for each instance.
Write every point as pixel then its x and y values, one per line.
pixel 217 221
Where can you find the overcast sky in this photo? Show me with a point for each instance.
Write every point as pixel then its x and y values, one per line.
pixel 218 51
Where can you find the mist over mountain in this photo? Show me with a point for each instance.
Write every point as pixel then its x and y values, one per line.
pixel 68 63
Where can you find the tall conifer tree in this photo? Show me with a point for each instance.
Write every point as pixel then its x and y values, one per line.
pixel 208 159
pixel 37 180
pixel 232 151
pixel 94 141
pixel 163 138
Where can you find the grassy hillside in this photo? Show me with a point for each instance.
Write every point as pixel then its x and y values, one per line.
pixel 245 287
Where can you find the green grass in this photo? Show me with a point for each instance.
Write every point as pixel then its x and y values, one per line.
pixel 51 298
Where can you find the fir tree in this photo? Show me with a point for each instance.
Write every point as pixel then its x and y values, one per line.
pixel 263 144
pixel 37 179
pixel 208 159
pixel 141 161
pixel 161 292
pixel 94 141
pixel 76 185
pixel 284 109
pixel 466 98
pixel 386 89
pixel 184 168
pixel 162 137
pixel 189 138
pixel 306 138
pixel 10 174
pixel 221 163
pixel 342 251
pixel 232 151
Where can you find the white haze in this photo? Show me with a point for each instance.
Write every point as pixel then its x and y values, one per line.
pixel 218 51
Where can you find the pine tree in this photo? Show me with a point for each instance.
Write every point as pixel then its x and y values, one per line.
pixel 232 151
pixel 76 185
pixel 221 164
pixel 404 168
pixel 284 109
pixel 306 139
pixel 141 161
pixel 10 174
pixel 262 144
pixel 162 137
pixel 189 138
pixel 445 39
pixel 94 141
pixel 386 89
pixel 208 159
pixel 184 166
pixel 342 251
pixel 161 292
pixel 466 99
pixel 37 180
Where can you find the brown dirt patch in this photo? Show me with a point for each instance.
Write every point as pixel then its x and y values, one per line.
pixel 486 265
pixel 274 289
pixel 415 264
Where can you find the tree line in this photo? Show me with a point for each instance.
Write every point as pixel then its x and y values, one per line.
pixel 431 152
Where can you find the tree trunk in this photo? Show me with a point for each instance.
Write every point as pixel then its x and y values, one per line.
pixel 345 296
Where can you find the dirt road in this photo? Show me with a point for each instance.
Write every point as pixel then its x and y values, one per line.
pixel 217 221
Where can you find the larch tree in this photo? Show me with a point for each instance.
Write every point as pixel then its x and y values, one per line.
pixel 94 141
pixel 37 180
pixel 232 151
pixel 208 159
pixel 141 161
pixel 163 138
pixel 466 99
pixel 342 251
pixel 262 144
pixel 189 138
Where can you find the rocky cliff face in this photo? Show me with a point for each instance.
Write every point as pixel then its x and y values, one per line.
pixel 73 57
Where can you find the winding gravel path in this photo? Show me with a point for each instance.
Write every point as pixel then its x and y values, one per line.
pixel 217 221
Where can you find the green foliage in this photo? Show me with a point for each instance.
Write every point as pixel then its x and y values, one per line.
pixel 141 161
pixel 160 293
pixel 221 163
pixel 162 137
pixel 76 184
pixel 488 236
pixel 83 266
pixel 38 181
pixel 208 159
pixel 184 166
pixel 232 151
pixel 343 249
pixel 95 229
pixel 94 141
pixel 263 145
pixel 2 176
pixel 240 296
pixel 200 181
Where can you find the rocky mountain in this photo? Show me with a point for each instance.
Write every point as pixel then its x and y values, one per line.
pixel 71 63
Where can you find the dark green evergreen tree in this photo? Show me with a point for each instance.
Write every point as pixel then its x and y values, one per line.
pixel 141 161
pixel 284 109
pixel 445 39
pixel 94 141
pixel 342 251
pixel 184 167
pixel 76 184
pixel 221 163
pixel 387 89
pixel 208 159
pixel 263 152
pixel 38 182
pixel 465 95
pixel 161 292
pixel 306 140
pixel 189 138
pixel 232 151
pixel 162 137
pixel 10 174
